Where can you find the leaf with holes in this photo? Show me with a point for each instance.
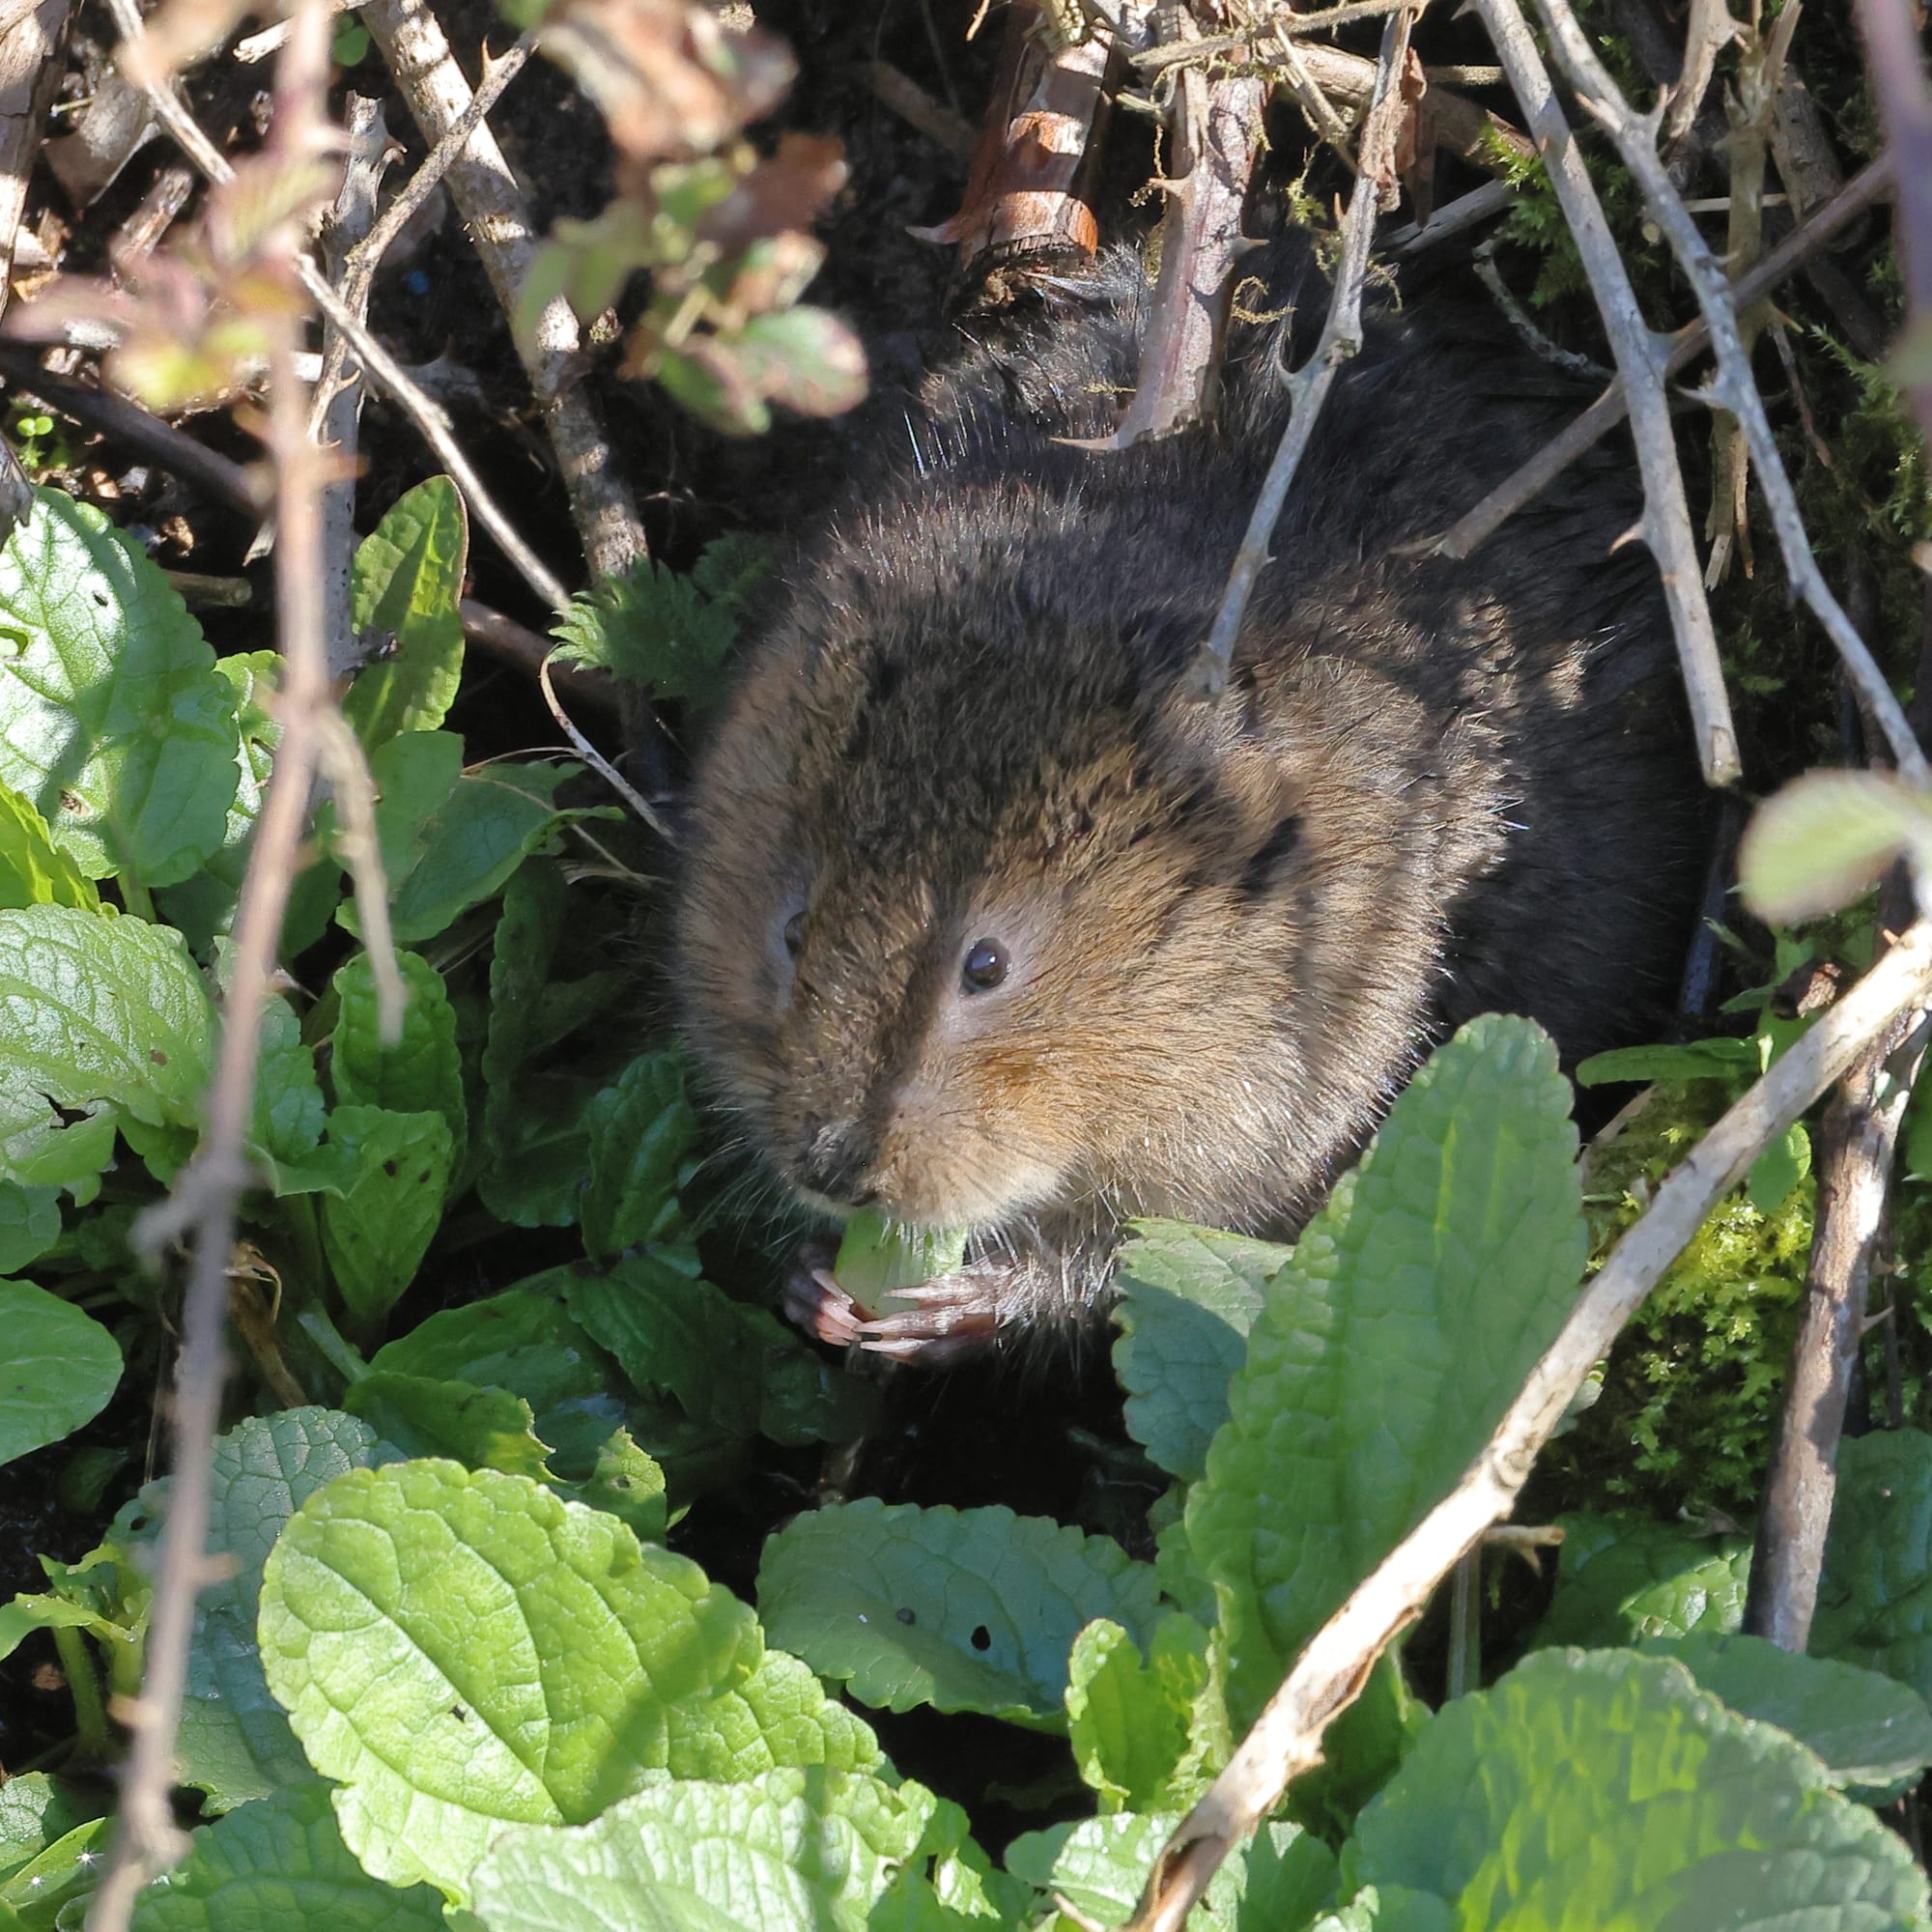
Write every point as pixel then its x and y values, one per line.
pixel 376 1230
pixel 33 869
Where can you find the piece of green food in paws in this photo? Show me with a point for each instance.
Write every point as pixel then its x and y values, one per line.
pixel 879 1258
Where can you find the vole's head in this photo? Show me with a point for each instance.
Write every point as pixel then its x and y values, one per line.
pixel 983 916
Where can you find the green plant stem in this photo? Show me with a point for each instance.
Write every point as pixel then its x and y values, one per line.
pixel 92 1732
pixel 136 897
pixel 329 1344
pixel 1466 1623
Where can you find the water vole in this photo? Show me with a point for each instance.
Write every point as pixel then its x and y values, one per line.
pixel 987 921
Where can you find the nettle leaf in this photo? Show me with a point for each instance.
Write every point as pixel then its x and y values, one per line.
pixel 480 1427
pixel 1623 1578
pixel 794 1851
pixel 1278 1882
pixel 1824 839
pixel 641 1129
pixel 114 723
pixel 962 1609
pixel 1875 1597
pixel 582 1662
pixel 235 1743
pixel 1188 1297
pixel 731 1369
pixel 1140 1736
pixel 104 1023
pixel 407 579
pixel 1390 1345
pixel 33 869
pixel 1609 1777
pixel 58 1368
pixel 422 1074
pixel 280 1861
pixel 30 1224
pixel 376 1230
pixel 1867 1729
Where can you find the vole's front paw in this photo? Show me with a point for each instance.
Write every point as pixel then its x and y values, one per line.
pixel 949 1319
pixel 813 1299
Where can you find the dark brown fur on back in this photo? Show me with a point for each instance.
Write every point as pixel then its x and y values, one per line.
pixel 1434 788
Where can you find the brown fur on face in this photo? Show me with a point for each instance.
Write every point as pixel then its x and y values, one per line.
pixel 1230 930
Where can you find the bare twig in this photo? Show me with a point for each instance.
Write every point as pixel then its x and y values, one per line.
pixel 1516 489
pixel 598 762
pixel 503 230
pixel 1895 56
pixel 947 132
pixel 518 645
pixel 203 1205
pixel 1467 210
pixel 1706 33
pixel 1665 524
pixel 1341 338
pixel 1280 23
pixel 29 75
pixel 1731 385
pixel 1329 1674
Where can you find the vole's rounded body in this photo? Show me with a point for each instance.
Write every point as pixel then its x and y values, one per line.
pixel 988 920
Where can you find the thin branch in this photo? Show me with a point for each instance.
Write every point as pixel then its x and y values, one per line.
pixel 1732 385
pixel 29 76
pixel 598 762
pixel 1285 1739
pixel 1665 524
pixel 1602 415
pixel 1279 22
pixel 203 1207
pixel 1341 338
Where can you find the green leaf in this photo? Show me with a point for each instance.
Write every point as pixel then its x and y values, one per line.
pixel 640 1130
pixel 280 1862
pixel 66 1871
pixel 414 776
pixel 289 1108
pixel 33 870
pixel 1391 1344
pixel 1276 1883
pixel 378 1230
pixel 962 1609
pixel 1826 838
pixel 480 1427
pixel 1610 1778
pixel 407 579
pixel 58 1368
pixel 1694 1060
pixel 114 723
pixel 878 1258
pixel 30 1224
pixel 1867 1729
pixel 104 1023
pixel 524 1340
pixel 1778 1169
pixel 794 1851
pixel 804 357
pixel 1875 1595
pixel 627 1483
pixel 35 1812
pixel 1132 1720
pixel 1619 1579
pixel 732 1369
pixel 422 1074
pixel 1188 1299
pixel 581 1662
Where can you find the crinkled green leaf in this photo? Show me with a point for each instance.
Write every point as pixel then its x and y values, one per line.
pixel 1132 1720
pixel 289 1109
pixel 1603 1788
pixel 1278 1882
pixel 732 1369
pixel 376 1230
pixel 30 1224
pixel 36 1811
pixel 104 1023
pixel 58 1367
pixel 580 1663
pixel 1824 839
pixel 33 869
pixel 1188 1297
pixel 963 1609
pixel 480 1427
pixel 1875 1595
pixel 1622 1578
pixel 794 1851
pixel 1388 1347
pixel 407 579
pixel 538 1159
pixel 277 1865
pixel 1867 1729
pixel 54 1880
pixel 627 1483
pixel 422 1074
pixel 114 723
pixel 641 1129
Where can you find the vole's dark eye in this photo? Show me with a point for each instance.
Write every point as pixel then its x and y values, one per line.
pixel 794 933
pixel 985 965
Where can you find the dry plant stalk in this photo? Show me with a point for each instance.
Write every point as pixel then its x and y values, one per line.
pixel 1285 1739
pixel 1731 386
pixel 1341 338
pixel 203 1207
pixel 1665 524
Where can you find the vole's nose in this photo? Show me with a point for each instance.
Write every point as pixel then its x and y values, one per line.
pixel 833 1158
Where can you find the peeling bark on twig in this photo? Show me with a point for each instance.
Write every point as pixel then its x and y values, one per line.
pixel 1285 1739
pixel 29 73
